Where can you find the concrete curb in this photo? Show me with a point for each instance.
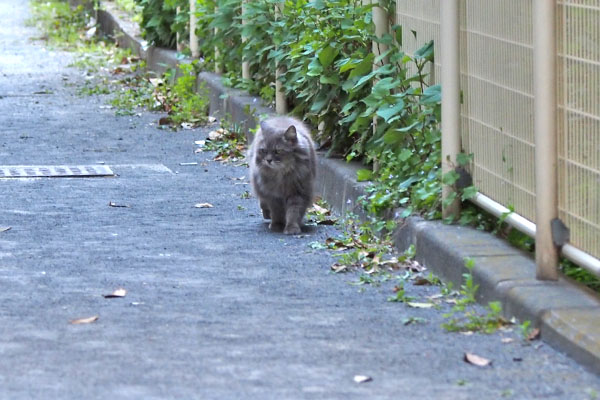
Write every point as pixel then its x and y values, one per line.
pixel 567 313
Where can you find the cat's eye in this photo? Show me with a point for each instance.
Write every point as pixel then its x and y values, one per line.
pixel 262 151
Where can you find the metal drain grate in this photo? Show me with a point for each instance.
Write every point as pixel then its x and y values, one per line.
pixel 54 171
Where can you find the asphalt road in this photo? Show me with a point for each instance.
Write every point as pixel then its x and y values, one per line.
pixel 217 307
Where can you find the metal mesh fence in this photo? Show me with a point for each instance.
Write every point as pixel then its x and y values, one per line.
pixel 579 121
pixel 497 109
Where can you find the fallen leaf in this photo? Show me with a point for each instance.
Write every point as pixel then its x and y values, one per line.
pixel 362 378
pixel 203 205
pixel 517 359
pixel 467 333
pixel 321 210
pixel 88 320
pixel 120 292
pixel 339 268
pixel 165 121
pixel 421 281
pixel 507 340
pixel 419 305
pixel 156 81
pixel 198 150
pixel 5 228
pixel 212 120
pixel 337 244
pixel 414 266
pixel 413 320
pixel 113 204
pixel 187 125
pixel 329 221
pixel 187 164
pixel 200 142
pixel 216 135
pixel 476 360
pixel 534 334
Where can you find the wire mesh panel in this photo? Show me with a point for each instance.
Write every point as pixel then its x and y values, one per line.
pixel 497 88
pixel 497 102
pixel 497 120
pixel 579 121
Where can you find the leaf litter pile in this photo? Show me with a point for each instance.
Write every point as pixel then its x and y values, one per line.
pixel 229 144
pixel 367 249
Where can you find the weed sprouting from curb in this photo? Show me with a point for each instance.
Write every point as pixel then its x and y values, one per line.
pixel 464 317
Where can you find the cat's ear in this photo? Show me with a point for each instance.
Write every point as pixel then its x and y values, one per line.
pixel 263 126
pixel 290 134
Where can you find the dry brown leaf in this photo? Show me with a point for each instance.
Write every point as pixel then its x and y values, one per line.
pixel 212 120
pixel 328 221
pixel 362 378
pixel 421 281
pixel 419 305
pixel 113 204
pixel 336 244
pixel 507 340
pixel 120 292
pixel 5 228
pixel 474 359
pixel 187 125
pixel 216 135
pixel 414 266
pixel 165 121
pixel 203 205
pixel 200 142
pixel 534 334
pixel 339 268
pixel 88 320
pixel 318 209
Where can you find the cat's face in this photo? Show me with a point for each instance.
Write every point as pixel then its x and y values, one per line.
pixel 276 150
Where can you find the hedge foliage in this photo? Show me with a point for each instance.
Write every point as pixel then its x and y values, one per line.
pixel 386 116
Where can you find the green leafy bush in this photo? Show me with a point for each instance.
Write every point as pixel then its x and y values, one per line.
pixel 161 23
pixel 387 117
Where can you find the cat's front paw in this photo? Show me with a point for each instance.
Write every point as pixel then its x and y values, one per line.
pixel 275 227
pixel 292 229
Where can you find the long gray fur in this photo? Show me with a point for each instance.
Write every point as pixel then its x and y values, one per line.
pixel 282 171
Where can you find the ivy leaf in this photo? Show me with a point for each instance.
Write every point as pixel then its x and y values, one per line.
pixel 425 52
pixel 364 175
pixel 319 103
pixel 327 55
pixel 388 113
pixel 463 159
pixel 363 67
pixel 468 193
pixel 405 154
pixel 392 137
pixel 330 80
pixel 432 95
pixel 450 178
pixel 316 4
pixel 314 68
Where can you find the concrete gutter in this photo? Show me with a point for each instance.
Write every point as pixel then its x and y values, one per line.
pixel 567 313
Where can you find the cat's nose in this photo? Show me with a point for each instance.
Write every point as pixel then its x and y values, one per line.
pixel 269 161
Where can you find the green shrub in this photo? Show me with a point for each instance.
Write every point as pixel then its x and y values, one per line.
pixel 160 21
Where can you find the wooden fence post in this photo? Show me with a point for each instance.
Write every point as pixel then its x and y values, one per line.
pixel 280 100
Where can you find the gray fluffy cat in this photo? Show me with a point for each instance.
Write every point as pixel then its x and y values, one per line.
pixel 282 171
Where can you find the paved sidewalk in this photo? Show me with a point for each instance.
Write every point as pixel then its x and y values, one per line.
pixel 217 306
